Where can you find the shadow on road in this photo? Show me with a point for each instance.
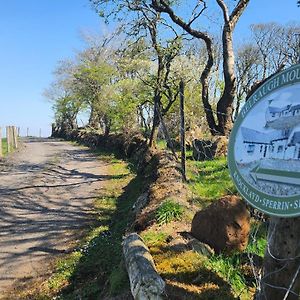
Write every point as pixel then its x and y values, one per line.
pixel 45 204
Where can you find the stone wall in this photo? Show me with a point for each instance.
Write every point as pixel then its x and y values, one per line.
pixel 159 169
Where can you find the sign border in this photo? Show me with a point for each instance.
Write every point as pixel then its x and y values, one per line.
pixel 254 197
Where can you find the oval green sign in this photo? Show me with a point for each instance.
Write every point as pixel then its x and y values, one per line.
pixel 264 146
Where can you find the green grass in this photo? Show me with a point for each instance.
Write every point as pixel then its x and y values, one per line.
pixel 151 237
pixel 209 180
pixel 4 147
pixel 229 269
pixel 236 269
pixel 168 211
pixel 161 144
pixel 258 239
pixel 196 276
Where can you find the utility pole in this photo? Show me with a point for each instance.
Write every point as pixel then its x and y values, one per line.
pixel 8 139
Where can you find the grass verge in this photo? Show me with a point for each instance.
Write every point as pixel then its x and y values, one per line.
pixel 4 146
pixel 209 180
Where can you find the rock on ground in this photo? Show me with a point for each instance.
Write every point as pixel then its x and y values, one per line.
pixel 224 225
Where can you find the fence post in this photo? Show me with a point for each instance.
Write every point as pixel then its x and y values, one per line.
pixel 8 138
pixel 12 140
pixel 15 137
pixel 281 278
pixel 182 130
pixel 11 134
pixel 1 154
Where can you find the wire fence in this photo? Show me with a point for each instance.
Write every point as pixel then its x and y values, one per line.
pixel 209 180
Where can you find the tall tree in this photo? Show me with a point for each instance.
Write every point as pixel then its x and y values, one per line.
pixel 225 104
pixel 146 22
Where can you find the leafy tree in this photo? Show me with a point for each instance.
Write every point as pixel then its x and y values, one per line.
pixel 143 22
pixel 91 87
pixel 66 105
pixel 230 19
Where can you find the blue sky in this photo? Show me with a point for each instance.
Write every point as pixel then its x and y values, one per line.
pixel 36 34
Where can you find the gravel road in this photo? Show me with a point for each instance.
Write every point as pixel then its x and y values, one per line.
pixel 46 193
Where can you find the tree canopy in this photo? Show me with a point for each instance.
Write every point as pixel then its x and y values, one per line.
pixel 129 80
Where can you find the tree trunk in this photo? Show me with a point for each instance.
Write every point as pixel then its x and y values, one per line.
pixel 155 123
pixel 107 125
pixel 281 275
pixel 8 139
pixel 156 98
pixel 205 88
pixel 94 119
pixel 224 107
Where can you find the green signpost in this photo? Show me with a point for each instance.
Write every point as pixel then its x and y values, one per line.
pixel 264 146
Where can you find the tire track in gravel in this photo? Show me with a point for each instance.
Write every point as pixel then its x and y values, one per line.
pixel 46 195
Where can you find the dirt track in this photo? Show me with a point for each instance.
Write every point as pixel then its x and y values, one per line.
pixel 46 192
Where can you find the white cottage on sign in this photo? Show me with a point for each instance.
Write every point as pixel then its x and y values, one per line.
pixel 280 138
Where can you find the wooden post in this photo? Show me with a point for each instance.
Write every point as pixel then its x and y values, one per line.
pixel 1 154
pixel 12 139
pixel 281 275
pixel 15 135
pixel 27 134
pixel 182 130
pixel 19 131
pixel 8 139
pixel 12 132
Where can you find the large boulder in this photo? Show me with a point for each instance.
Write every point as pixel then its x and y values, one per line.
pixel 207 149
pixel 224 225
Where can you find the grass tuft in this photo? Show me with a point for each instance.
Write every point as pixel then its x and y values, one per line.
pixel 168 211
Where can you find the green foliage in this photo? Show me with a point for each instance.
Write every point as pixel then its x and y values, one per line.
pixel 168 211
pixel 258 239
pixel 209 180
pixel 152 237
pixel 228 268
pixel 161 144
pixel 4 147
pixel 118 280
